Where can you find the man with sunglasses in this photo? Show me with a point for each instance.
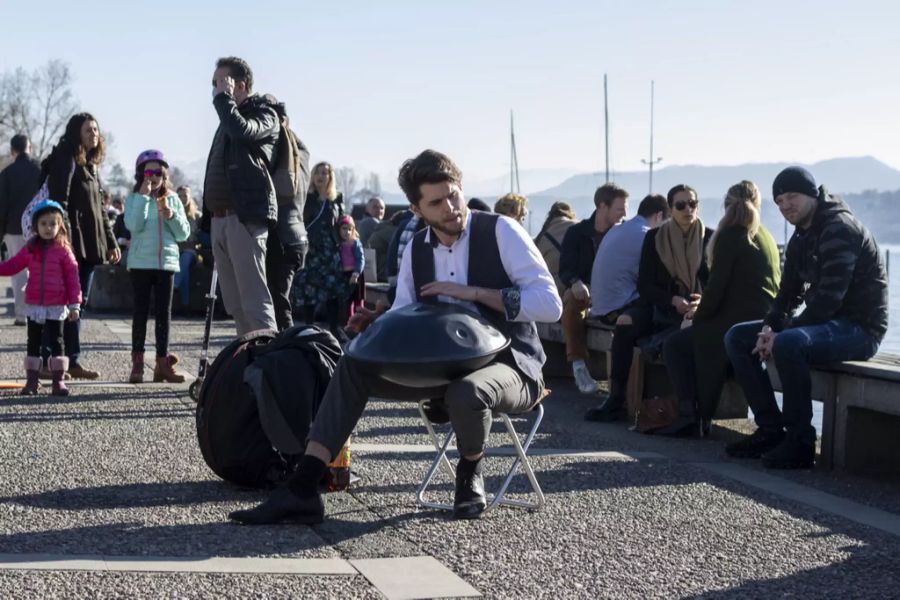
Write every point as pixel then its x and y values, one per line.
pixel 239 196
pixel 833 266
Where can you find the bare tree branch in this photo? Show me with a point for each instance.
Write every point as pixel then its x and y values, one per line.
pixel 37 104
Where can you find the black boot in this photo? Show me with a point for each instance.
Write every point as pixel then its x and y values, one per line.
pixel 612 408
pixel 755 445
pixel 469 501
pixel 794 452
pixel 298 501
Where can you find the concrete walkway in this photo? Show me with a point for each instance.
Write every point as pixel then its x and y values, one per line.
pixel 105 495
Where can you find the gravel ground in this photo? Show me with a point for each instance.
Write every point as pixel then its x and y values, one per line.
pixel 115 470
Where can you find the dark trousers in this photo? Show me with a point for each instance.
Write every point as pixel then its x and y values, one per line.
pixel 793 352
pixel 47 335
pixel 624 339
pixel 470 402
pixel 282 263
pixel 160 283
pixel 72 329
pixel 681 364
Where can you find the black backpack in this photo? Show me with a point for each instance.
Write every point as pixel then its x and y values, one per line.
pixel 258 400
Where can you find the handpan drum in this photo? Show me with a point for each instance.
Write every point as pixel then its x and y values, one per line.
pixel 427 344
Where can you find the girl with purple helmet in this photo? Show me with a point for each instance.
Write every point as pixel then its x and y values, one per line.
pixel 155 217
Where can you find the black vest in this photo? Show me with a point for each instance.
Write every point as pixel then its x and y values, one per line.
pixel 485 270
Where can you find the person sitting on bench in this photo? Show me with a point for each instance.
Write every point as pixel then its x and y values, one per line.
pixel 832 265
pixel 480 260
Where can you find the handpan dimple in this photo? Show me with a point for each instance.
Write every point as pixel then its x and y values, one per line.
pixel 427 344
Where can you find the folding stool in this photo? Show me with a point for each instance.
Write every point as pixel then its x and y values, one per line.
pixel 521 457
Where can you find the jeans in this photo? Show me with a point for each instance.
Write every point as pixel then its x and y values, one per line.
pixel 793 352
pixel 183 277
pixel 160 283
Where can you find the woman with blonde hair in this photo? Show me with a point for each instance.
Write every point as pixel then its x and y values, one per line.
pixel 322 281
pixel 743 280
pixel 513 206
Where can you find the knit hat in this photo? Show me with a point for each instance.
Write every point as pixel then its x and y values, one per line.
pixel 797 180
pixel 345 220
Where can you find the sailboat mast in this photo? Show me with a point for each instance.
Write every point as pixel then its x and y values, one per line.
pixel 606 125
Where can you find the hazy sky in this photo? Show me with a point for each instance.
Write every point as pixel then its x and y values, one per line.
pixel 369 84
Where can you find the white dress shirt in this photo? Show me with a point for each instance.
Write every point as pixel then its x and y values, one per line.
pixel 521 260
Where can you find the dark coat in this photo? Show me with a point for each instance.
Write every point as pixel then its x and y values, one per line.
pixel 579 246
pixel 835 268
pixel 251 136
pixel 77 188
pixel 18 184
pixel 743 281
pixel 656 286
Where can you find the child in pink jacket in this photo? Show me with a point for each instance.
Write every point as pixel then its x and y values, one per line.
pixel 52 294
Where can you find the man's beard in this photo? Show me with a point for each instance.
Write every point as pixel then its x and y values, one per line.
pixel 453 227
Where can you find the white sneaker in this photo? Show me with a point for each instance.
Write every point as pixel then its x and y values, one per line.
pixel 586 384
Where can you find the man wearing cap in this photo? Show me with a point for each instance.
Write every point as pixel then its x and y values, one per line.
pixel 482 261
pixel 834 267
pixel 239 195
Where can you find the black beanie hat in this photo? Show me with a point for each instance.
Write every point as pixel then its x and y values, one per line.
pixel 795 179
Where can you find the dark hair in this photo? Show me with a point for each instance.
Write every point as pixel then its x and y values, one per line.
pixel 72 138
pixel 238 68
pixel 607 194
pixel 652 204
pixel 428 167
pixel 399 216
pixel 670 197
pixel 478 204
pixel 19 143
pixel 164 190
pixel 558 209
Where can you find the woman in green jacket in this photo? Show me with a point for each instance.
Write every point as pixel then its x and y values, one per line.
pixel 743 279
pixel 155 217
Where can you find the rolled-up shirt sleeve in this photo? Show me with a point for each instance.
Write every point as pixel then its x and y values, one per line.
pixel 533 295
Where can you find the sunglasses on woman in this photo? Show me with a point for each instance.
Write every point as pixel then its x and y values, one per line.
pixel 153 173
pixel 682 204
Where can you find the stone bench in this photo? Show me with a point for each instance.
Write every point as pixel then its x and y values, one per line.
pixel 861 413
pixel 111 290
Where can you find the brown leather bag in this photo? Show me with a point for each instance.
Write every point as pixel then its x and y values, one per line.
pixel 655 413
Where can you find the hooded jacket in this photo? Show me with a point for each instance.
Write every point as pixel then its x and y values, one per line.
pixel 835 268
pixel 18 184
pixel 154 240
pixel 52 273
pixel 251 137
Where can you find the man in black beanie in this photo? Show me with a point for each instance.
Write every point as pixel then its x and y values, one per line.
pixel 833 266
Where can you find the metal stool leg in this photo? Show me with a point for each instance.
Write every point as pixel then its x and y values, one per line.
pixel 520 458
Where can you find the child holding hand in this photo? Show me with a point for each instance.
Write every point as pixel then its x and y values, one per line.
pixel 352 264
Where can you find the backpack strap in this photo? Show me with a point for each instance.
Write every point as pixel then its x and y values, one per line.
pixel 422 265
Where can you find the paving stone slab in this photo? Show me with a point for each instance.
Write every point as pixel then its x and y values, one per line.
pixel 413 577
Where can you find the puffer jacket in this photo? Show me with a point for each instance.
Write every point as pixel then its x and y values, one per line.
pixel 251 136
pixel 52 273
pixel 154 240
pixel 835 268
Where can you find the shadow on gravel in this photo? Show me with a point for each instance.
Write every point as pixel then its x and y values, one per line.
pixel 136 495
pixel 41 417
pixel 136 538
pixel 86 393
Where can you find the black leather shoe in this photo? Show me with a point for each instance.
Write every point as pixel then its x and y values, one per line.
pixel 756 445
pixel 436 411
pixel 469 501
pixel 283 505
pixel 790 454
pixel 612 409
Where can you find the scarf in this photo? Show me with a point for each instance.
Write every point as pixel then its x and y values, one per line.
pixel 681 253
